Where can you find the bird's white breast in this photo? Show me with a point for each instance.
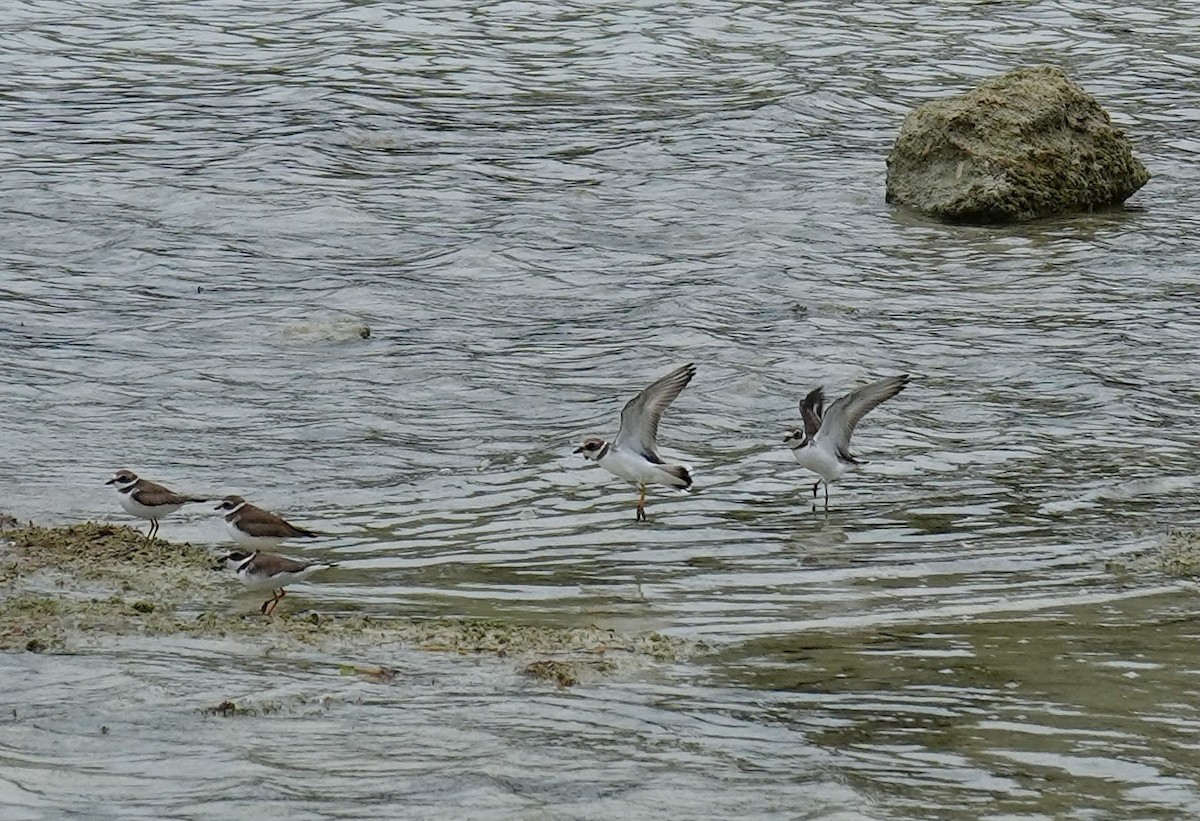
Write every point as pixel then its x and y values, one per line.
pixel 635 468
pixel 821 460
pixel 136 508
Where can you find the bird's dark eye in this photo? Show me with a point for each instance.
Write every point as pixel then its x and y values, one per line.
pixel 590 446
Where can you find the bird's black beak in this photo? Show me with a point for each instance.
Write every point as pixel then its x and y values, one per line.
pixel 578 450
pixel 220 565
pixel 112 481
pixel 218 507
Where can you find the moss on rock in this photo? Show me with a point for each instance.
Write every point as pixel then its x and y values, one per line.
pixel 61 587
pixel 1024 145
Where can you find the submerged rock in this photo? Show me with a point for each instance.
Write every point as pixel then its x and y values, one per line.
pixel 326 330
pixel 1024 145
pixel 1178 555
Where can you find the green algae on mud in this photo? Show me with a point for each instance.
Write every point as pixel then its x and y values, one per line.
pixel 66 587
pixel 97 546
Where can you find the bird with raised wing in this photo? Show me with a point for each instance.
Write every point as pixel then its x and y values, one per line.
pixel 633 454
pixel 823 446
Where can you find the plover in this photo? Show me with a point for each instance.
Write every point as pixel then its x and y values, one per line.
pixel 147 500
pixel 267 571
pixel 632 455
pixel 254 527
pixel 824 445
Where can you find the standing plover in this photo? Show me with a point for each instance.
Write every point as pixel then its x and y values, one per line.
pixel 148 500
pixel 267 571
pixel 254 527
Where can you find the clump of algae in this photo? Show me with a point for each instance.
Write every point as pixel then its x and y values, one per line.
pixel 98 547
pixel 1178 555
pixel 562 673
pixel 61 587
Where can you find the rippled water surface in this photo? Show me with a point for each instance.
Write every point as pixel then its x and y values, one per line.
pixel 537 209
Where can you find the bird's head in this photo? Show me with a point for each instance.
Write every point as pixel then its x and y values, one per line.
pixel 230 504
pixel 232 560
pixel 591 448
pixel 795 439
pixel 123 479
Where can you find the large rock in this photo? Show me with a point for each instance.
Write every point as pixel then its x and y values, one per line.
pixel 1024 145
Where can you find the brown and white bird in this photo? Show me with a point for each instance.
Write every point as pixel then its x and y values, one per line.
pixel 824 445
pixel 633 455
pixel 267 571
pixel 254 527
pixel 147 500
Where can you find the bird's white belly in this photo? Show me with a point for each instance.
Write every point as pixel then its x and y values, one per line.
pixel 140 510
pixel 820 461
pixel 256 542
pixel 635 469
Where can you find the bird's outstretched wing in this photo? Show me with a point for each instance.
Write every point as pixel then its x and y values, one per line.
pixel 640 416
pixel 839 421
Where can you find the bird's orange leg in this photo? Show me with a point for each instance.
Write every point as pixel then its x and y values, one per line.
pixel 270 604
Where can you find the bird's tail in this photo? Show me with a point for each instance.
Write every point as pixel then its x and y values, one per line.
pixel 846 456
pixel 680 473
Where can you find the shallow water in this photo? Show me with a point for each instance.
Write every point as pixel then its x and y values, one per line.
pixel 536 210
